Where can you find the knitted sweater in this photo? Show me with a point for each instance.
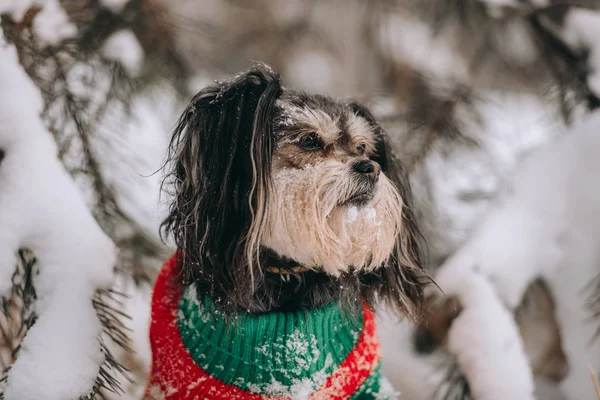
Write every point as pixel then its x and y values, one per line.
pixel 322 354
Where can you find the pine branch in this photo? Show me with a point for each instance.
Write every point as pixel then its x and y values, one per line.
pixel 19 315
pixel 592 302
pixel 568 67
pixel 107 304
pixel 454 385
pixel 18 312
pixel 489 26
pixel 75 118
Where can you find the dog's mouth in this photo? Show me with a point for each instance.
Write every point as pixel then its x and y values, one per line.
pixel 363 193
pixel 360 198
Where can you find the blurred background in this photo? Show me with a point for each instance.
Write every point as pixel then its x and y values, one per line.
pixel 490 105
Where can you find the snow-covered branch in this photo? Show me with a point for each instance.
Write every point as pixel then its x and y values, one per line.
pixel 42 209
pixel 543 227
pixel 91 125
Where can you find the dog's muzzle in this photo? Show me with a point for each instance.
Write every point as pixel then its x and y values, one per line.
pixel 366 175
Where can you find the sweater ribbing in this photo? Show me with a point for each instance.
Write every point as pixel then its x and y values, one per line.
pixel 291 350
pixel 184 331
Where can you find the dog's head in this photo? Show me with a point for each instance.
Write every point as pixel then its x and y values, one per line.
pixel 258 168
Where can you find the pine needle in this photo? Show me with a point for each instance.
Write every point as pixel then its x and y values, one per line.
pixel 595 379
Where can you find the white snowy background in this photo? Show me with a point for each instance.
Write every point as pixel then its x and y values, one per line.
pixel 503 161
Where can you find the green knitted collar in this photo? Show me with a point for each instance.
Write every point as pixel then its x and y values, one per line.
pixel 260 353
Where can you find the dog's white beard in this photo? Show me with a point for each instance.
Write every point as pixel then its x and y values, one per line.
pixel 306 222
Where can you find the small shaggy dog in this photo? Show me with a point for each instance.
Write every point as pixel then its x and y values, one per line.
pixel 292 220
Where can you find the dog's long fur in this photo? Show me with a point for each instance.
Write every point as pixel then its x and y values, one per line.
pixel 249 195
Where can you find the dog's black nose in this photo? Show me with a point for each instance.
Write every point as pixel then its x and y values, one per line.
pixel 367 167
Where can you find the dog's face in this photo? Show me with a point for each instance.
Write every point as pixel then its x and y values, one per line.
pixel 331 206
pixel 261 169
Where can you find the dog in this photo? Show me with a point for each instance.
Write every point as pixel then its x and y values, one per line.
pixel 292 220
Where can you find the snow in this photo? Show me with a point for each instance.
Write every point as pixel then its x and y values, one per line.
pixel 500 3
pixel 546 225
pixel 52 24
pixel 415 375
pixel 198 82
pixel 16 9
pixel 137 306
pixel 537 217
pixel 300 354
pixel 115 6
pixel 351 214
pixel 534 213
pixel 312 71
pixel 133 147
pixel 463 46
pixel 485 339
pixel 582 30
pixel 42 209
pixel 407 40
pixel 123 47
pixel 457 184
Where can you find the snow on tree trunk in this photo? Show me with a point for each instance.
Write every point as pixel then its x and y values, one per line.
pixel 42 209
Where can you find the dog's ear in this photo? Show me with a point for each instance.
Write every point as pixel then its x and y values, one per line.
pixel 220 155
pixel 400 282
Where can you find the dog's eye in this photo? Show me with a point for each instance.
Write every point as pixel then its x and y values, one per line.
pixel 310 142
pixel 361 148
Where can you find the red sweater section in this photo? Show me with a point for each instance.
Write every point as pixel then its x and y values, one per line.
pixel 175 375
